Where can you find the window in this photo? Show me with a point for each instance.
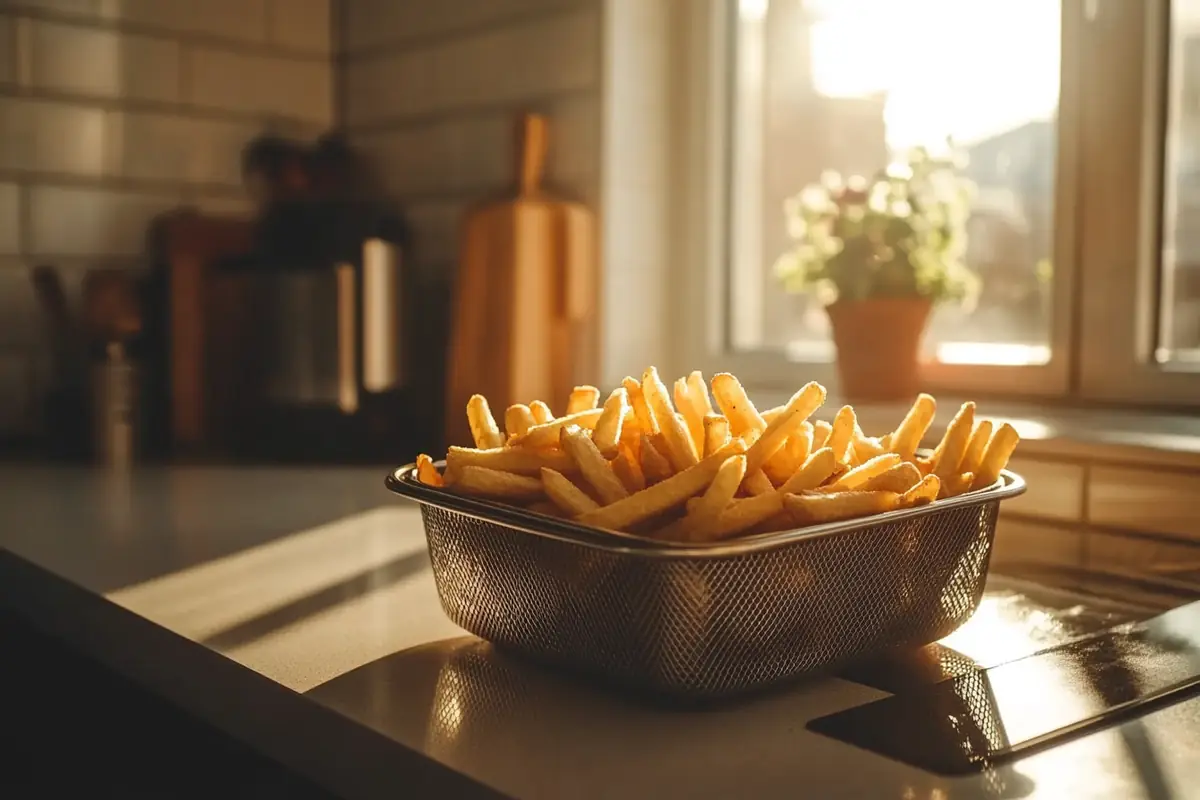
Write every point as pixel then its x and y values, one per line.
pixel 1179 303
pixel 820 88
pixel 1084 227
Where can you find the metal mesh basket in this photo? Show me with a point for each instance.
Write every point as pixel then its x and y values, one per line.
pixel 705 621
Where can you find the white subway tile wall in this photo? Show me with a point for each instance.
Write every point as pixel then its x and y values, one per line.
pixel 72 221
pixel 301 25
pixel 282 86
pixel 89 8
pixel 380 24
pixel 90 61
pixel 115 111
pixel 8 51
pixel 432 93
pixel 387 86
pixel 524 61
pixel 163 147
pixel 10 219
pixel 51 137
pixel 236 20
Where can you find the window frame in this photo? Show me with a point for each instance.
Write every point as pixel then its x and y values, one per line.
pixel 1104 220
pixel 1129 57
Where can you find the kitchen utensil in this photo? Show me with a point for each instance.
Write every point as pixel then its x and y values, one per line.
pixel 114 408
pixel 704 621
pixel 523 295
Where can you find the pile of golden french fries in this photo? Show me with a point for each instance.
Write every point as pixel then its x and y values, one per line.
pixel 684 471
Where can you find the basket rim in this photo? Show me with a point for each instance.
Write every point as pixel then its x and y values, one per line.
pixel 403 481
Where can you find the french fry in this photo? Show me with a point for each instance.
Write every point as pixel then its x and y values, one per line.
pixel 541 412
pixel 677 530
pixel 860 475
pixel 949 454
pixel 907 437
pixel 816 470
pixel 956 484
pixel 773 437
pixel 699 392
pixel 736 406
pixel 739 516
pixel 821 431
pixel 840 468
pixel 899 478
pixel 756 483
pixel 427 473
pixel 721 491
pixel 496 484
pixel 977 446
pixel 631 431
pixel 841 434
pixel 716 433
pixel 657 456
pixel 814 508
pixel 790 457
pixel 675 436
pixel 637 400
pixel 801 442
pixel 628 469
pixel 546 434
pixel 926 491
pixel 565 494
pixel 608 428
pixel 517 460
pixel 662 497
pixel 995 458
pixel 693 413
pixel 591 463
pixel 517 420
pixel 582 398
pixel 483 425
pixel 865 448
pixel 655 465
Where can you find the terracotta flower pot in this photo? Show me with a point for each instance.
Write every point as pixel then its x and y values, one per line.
pixel 878 344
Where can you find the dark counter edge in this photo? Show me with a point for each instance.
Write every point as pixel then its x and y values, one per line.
pixel 335 752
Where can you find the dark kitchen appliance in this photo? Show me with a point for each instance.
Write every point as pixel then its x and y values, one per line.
pixel 285 336
pixel 333 361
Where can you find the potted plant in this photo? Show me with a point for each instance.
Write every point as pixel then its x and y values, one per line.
pixel 879 254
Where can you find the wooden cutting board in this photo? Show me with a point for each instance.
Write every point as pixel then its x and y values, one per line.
pixel 523 296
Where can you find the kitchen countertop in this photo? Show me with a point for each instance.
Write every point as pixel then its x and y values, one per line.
pixel 294 609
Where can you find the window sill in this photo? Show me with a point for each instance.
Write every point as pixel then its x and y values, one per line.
pixel 1134 437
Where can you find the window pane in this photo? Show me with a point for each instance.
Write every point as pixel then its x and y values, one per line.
pixel 1179 306
pixel 850 85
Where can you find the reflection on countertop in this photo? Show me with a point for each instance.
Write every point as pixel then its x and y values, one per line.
pixel 532 733
pixel 317 580
pixel 1014 619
